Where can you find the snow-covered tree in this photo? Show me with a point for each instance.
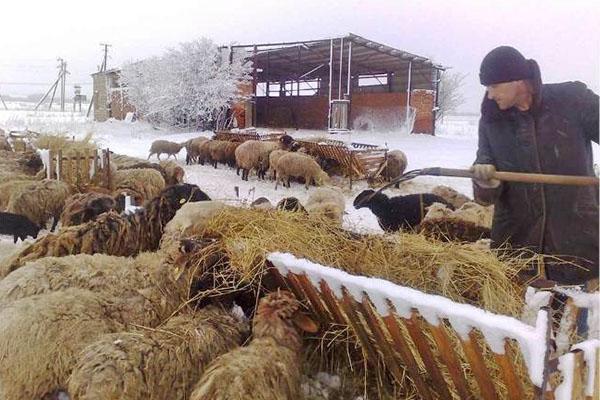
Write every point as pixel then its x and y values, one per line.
pixel 195 81
pixel 450 96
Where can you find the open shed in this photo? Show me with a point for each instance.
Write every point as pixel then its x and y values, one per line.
pixel 341 83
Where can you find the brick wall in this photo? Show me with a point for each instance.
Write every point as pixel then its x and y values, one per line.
pixel 119 110
pixel 422 100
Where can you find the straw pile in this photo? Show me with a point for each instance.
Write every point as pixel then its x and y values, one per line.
pixel 69 146
pixel 461 273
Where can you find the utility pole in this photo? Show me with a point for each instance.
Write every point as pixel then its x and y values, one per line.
pixel 105 60
pixel 62 75
pixel 3 103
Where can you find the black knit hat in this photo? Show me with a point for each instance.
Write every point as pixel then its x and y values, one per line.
pixel 504 64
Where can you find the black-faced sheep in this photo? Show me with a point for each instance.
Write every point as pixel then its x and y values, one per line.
pixel 159 147
pixel 111 233
pixel 299 165
pixel 162 363
pixel 83 207
pixel 246 373
pixel 18 226
pixel 396 165
pixel 400 212
pixel 40 200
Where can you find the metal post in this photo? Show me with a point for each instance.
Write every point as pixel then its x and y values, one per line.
pixel 408 93
pixel 349 61
pixel 341 68
pixel 330 78
pixel 254 78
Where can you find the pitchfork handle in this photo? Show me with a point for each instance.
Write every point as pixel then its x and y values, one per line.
pixel 518 177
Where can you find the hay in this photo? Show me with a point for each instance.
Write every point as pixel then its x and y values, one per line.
pixel 458 272
pixel 68 145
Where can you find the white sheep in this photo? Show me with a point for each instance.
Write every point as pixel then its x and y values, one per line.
pixel 164 146
pixel 328 202
pixel 451 195
pixel 254 155
pixel 273 158
pixel 40 200
pixel 299 165
pixel 162 363
pixel 269 367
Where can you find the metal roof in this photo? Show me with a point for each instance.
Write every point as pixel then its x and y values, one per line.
pixel 310 59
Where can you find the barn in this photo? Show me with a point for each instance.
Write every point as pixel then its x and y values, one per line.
pixel 339 84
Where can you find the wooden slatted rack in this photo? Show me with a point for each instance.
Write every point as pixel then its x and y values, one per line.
pixel 443 356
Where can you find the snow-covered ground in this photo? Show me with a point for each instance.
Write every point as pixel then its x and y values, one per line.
pixel 453 147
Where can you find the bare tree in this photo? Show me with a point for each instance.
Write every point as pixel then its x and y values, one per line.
pixel 450 96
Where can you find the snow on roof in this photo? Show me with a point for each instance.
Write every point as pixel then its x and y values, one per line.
pixel 463 317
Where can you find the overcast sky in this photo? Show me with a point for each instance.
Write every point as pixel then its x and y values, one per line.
pixel 563 36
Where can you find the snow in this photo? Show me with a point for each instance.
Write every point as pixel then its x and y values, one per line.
pixel 589 348
pixel 495 328
pixel 566 363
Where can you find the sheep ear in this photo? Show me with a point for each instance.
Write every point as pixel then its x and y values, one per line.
pixel 182 201
pixel 304 322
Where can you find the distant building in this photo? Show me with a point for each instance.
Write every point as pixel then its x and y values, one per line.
pixel 109 98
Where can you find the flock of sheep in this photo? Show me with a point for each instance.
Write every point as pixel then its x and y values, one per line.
pixel 102 308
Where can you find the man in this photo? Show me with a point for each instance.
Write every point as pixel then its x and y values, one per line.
pixel 529 127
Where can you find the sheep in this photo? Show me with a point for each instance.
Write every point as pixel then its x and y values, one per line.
pixel 218 152
pixel 400 212
pixel 155 364
pixel 396 165
pixel 327 202
pixel 145 182
pixel 4 144
pixel 298 165
pixel 40 337
pixel 7 189
pixel 204 152
pixel 254 155
pixel 452 196
pixel 191 147
pixel 18 226
pixel 164 146
pixel 230 153
pixel 84 207
pixel 273 158
pixel 269 367
pixel 111 233
pixel 40 200
pixel 172 173
pixel 469 223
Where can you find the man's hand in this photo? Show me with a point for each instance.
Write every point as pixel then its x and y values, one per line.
pixel 483 175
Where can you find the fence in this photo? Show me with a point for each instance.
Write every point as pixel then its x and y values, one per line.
pixel 449 350
pixel 79 168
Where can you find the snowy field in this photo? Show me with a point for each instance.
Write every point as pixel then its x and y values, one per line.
pixel 453 147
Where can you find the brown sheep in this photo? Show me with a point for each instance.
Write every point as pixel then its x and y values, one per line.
pixel 218 152
pixel 299 165
pixel 246 373
pixel 164 146
pixel 396 165
pixel 145 182
pixel 191 147
pixel 83 207
pixel 254 155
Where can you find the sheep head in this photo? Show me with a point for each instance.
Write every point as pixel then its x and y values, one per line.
pixel 279 316
pixel 369 198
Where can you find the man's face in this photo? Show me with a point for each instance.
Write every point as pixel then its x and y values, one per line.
pixel 504 94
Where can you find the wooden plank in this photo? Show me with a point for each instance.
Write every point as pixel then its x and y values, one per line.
pixel 579 376
pixel 60 169
pixel 401 347
pixel 416 332
pixel 294 286
pixel 332 303
pixel 597 377
pixel 478 368
pixel 507 370
pixel 448 355
pixel 354 321
pixel 313 298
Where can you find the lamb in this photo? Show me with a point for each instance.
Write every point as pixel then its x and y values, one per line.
pixel 190 218
pixel 191 147
pixel 327 202
pixel 254 155
pixel 145 183
pixel 396 165
pixel 112 233
pixel 400 212
pixel 40 200
pixel 18 226
pixel 298 165
pixel 155 364
pixel 453 197
pixel 84 207
pixel 246 372
pixel 164 146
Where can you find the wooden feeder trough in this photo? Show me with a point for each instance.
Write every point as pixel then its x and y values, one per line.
pixel 78 169
pixel 249 134
pixel 448 350
pixel 357 160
